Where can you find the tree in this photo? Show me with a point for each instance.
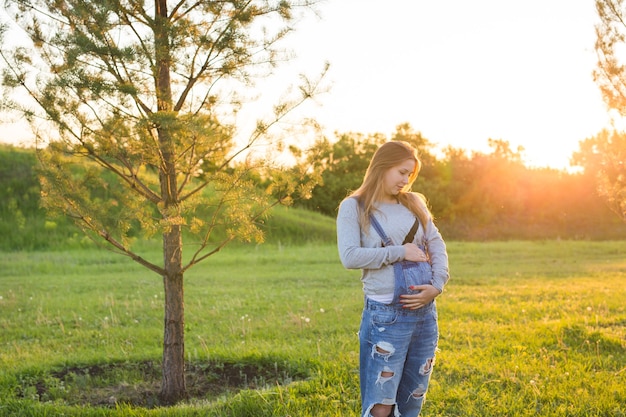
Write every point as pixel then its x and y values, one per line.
pixel 603 156
pixel 484 190
pixel 611 78
pixel 143 94
pixel 610 72
pixel 342 165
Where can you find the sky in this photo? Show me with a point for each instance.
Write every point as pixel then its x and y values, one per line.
pixel 459 72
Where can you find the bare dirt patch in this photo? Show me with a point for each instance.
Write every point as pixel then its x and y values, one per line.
pixel 138 383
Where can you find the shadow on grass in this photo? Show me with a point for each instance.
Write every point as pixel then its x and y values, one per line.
pixel 138 383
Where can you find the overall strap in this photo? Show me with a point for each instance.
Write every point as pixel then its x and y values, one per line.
pixel 411 235
pixel 379 229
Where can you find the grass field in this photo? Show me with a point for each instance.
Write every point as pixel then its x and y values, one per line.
pixel 527 329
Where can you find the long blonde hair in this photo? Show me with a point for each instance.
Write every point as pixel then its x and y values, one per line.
pixel 387 156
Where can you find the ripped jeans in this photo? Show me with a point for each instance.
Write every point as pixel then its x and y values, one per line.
pixel 397 355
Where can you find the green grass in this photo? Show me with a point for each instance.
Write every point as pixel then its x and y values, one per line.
pixel 527 329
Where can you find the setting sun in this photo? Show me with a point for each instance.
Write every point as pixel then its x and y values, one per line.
pixel 458 72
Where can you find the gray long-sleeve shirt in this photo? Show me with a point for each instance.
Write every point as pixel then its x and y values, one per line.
pixel 362 249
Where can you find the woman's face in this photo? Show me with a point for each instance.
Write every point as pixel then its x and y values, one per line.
pixel 397 177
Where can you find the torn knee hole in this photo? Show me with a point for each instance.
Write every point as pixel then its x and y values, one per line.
pixel 418 392
pixel 386 374
pixel 427 367
pixel 384 348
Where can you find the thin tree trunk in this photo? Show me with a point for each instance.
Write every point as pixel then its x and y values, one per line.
pixel 173 387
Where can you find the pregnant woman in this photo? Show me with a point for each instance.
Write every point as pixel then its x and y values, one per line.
pixel 388 232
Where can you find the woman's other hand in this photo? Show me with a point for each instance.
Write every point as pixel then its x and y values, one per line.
pixel 427 293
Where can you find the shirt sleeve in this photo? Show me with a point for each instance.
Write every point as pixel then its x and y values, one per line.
pixel 438 256
pixel 352 251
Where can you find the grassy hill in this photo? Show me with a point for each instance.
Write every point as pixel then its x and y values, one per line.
pixel 293 225
pixel 285 226
pixel 24 225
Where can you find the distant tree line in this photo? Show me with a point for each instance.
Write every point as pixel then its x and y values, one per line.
pixel 473 195
pixel 480 196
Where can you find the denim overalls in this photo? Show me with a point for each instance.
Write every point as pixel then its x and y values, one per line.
pixel 397 345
